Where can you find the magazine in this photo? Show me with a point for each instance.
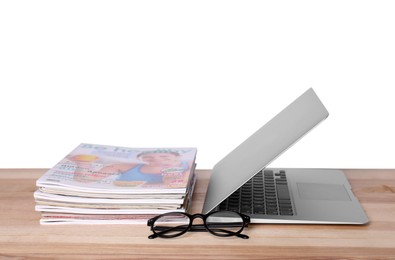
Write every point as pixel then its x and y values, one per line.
pixel 49 218
pixel 92 168
pixel 99 184
pixel 41 196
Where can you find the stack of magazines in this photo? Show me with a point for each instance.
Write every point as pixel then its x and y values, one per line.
pixel 98 184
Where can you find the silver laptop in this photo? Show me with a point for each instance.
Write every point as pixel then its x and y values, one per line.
pixel 240 181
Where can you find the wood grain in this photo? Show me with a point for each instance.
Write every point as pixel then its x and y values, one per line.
pixel 22 237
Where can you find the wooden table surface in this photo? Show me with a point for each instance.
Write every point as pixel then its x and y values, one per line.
pixel 22 237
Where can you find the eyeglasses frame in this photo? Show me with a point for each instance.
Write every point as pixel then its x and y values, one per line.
pixel 246 220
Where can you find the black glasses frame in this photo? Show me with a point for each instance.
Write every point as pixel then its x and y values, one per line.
pixel 197 228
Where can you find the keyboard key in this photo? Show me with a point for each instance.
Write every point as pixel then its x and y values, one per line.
pixel 286 212
pixel 284 201
pixel 268 172
pixel 282 191
pixel 281 181
pixel 259 211
pixel 270 212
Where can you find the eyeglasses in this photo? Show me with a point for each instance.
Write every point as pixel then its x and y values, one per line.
pixel 218 223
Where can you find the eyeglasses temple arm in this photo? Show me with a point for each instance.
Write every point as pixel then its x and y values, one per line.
pixel 199 228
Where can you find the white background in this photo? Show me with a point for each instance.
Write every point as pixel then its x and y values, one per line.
pixel 203 73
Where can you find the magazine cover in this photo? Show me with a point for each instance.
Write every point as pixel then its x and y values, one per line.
pixel 114 169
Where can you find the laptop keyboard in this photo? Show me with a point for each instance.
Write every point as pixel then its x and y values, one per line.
pixel 266 193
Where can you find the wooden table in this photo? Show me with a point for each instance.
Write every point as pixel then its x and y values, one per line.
pixel 21 235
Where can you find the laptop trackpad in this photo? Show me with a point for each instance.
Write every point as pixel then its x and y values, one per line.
pixel 321 191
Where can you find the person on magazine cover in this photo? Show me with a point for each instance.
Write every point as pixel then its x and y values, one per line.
pixel 162 166
pixel 154 167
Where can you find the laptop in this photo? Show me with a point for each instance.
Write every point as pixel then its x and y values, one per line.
pixel 240 181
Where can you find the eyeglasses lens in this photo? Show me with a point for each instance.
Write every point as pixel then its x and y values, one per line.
pixel 171 225
pixel 225 223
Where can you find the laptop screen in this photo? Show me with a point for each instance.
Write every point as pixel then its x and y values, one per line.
pixel 266 144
